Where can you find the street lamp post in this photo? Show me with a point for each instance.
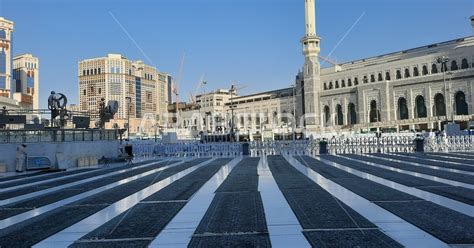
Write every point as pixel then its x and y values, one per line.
pixel 443 60
pixel 129 102
pixel 232 90
pixel 294 112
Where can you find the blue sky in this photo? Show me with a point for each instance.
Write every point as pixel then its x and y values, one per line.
pixel 248 42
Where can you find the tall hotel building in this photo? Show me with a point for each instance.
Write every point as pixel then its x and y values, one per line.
pixel 6 87
pixel 133 84
pixel 26 81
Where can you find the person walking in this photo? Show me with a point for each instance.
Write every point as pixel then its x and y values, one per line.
pixel 21 156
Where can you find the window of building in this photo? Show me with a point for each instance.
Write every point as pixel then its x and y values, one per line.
pixel 387 76
pixel 356 81
pixel 100 91
pixel 399 74
pixel 464 64
pixel 380 77
pixel 434 69
pixel 337 84
pixel 325 86
pixel 425 70
pixel 343 83
pixel 416 73
pixel 349 82
pixel 454 65
pixel 407 73
pixel 366 80
pixel 84 92
pixel 372 78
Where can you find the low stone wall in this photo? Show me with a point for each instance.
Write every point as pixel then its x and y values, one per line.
pixel 71 151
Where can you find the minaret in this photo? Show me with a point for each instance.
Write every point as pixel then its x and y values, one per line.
pixel 311 71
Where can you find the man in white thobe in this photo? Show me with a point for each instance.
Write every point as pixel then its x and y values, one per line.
pixel 20 158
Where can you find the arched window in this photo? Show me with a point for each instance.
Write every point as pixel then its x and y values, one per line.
pixel 366 80
pixel 420 107
pixel 356 81
pixel 84 92
pixel 407 73
pixel 387 76
pixel 99 70
pixel 95 71
pixel 416 73
pixel 372 78
pixel 454 65
pixel 434 69
pixel 380 77
pixel 425 70
pixel 399 74
pixel 374 112
pixel 464 64
pixel 352 114
pixel 343 83
pixel 439 105
pixel 100 90
pixel 327 115
pixel 325 86
pixel 402 109
pixel 349 82
pixel 461 104
pixel 330 85
pixel 339 116
pixel 337 84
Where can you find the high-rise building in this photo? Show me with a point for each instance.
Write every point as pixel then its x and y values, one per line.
pixel 6 86
pixel 136 86
pixel 26 80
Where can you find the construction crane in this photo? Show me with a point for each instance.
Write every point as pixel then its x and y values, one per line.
pixel 201 83
pixel 176 86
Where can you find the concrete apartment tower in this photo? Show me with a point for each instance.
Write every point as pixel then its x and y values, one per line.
pixel 6 87
pixel 311 84
pixel 26 81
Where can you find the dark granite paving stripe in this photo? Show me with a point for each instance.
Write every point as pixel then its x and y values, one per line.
pixel 235 210
pixel 19 176
pixel 350 238
pixel 147 219
pixel 314 207
pixel 59 182
pixel 448 226
pixel 456 193
pixel 255 240
pixel 370 190
pixel 408 167
pixel 112 244
pixel 445 224
pixel 455 155
pixel 427 162
pixel 404 179
pixel 51 175
pixel 13 209
pixel 243 178
pixel 32 231
pixel 234 213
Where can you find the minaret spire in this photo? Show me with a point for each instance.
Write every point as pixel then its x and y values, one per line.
pixel 311 70
pixel 310 14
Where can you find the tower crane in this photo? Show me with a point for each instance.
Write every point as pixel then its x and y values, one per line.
pixel 176 86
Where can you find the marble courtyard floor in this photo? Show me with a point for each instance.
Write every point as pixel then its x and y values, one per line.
pixel 372 200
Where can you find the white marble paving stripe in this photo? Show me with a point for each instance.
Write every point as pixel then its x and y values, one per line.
pixel 179 231
pixel 67 236
pixel 400 230
pixel 400 160
pixel 11 174
pixel 41 210
pixel 428 159
pixel 283 226
pixel 63 186
pixel 440 200
pixel 416 174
